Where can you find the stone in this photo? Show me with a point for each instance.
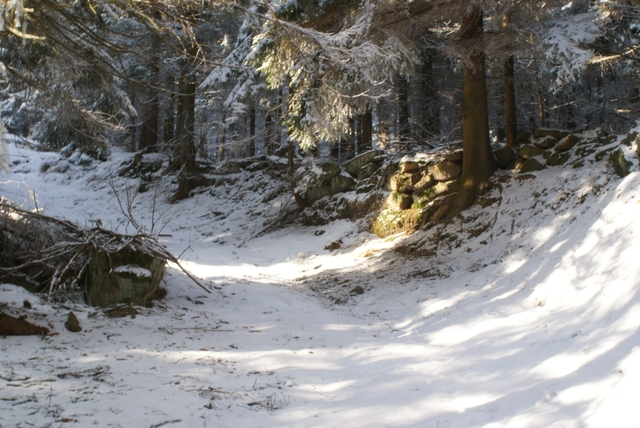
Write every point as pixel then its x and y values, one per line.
pixel 315 193
pixel 445 171
pixel 72 324
pixel 558 158
pixel 329 170
pixel 390 222
pixel 354 165
pixel 409 167
pixel 332 246
pixel 425 181
pixel 567 143
pixel 398 201
pixel 423 197
pixel 357 290
pixel 342 183
pixel 453 156
pixel 547 142
pixel 621 165
pixel 365 188
pixel 548 132
pixel 504 157
pixel 531 165
pixel 523 137
pixel 527 151
pixel 631 138
pixel 402 183
pixel 368 170
pixel 121 277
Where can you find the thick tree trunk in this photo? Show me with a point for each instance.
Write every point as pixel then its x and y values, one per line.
pixel 510 119
pixel 478 161
pixel 149 131
pixel 184 149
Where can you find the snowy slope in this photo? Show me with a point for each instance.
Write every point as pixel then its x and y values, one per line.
pixel 524 314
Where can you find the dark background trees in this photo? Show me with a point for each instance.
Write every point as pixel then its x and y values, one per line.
pixel 220 79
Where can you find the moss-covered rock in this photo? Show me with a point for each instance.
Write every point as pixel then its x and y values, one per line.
pixel 531 165
pixel 354 165
pixel 445 171
pixel 398 201
pixel 342 183
pixel 390 222
pixel 557 159
pixel 621 165
pixel 368 170
pixel 631 138
pixel 567 143
pixel 523 137
pixel 122 277
pixel 528 151
pixel 422 198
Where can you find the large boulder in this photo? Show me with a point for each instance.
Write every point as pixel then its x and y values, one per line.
pixel 315 193
pixel 504 157
pixel 368 170
pixel 122 277
pixel 422 198
pixel 531 165
pixel 354 165
pixel 399 201
pixel 342 183
pixel 523 137
pixel 558 158
pixel 403 182
pixel 547 142
pixel 409 167
pixel 445 171
pixel 548 132
pixel 426 180
pixel 527 151
pixel 567 143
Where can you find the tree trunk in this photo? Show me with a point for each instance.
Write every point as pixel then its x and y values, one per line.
pixel 252 128
pixel 478 161
pixel 510 120
pixel 366 133
pixel 170 114
pixel 184 149
pixel 149 131
pixel 404 131
pixel 223 139
pixel 430 108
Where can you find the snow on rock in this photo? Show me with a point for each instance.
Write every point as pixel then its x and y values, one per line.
pixel 522 313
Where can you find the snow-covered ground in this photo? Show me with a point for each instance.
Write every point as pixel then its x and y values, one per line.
pixel 526 314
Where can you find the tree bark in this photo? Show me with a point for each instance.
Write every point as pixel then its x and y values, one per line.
pixel 478 162
pixel 184 149
pixel 252 128
pixel 366 135
pixel 404 131
pixel 510 119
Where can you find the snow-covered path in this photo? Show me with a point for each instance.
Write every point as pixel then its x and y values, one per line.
pixel 536 326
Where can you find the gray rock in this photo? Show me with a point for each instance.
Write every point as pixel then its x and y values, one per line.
pixel 399 201
pixel 621 165
pixel 548 142
pixel 316 193
pixel 523 137
pixel 423 197
pixel 72 324
pixel 368 170
pixel 558 158
pixel 329 170
pixel 567 143
pixel 354 165
pixel 342 183
pixel 531 165
pixel 548 132
pixel 504 157
pixel 403 183
pixel 527 151
pixel 445 171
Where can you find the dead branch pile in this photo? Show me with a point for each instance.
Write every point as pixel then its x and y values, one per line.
pixel 49 255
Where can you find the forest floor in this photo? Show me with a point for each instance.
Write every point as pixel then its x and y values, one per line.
pixel 523 313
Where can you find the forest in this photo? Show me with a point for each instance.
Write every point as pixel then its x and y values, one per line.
pixel 405 213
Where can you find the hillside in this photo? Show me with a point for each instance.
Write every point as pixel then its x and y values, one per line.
pixel 520 312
